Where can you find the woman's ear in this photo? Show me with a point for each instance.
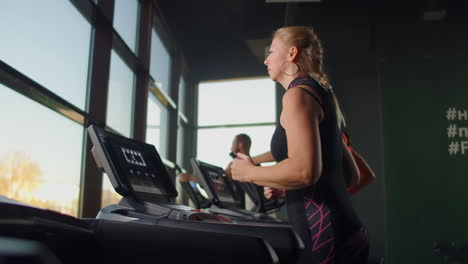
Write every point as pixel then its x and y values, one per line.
pixel 293 51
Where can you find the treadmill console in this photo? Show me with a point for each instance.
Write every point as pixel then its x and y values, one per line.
pixel 215 182
pixel 134 168
pixel 221 193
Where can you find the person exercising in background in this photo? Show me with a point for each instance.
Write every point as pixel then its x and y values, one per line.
pixel 240 144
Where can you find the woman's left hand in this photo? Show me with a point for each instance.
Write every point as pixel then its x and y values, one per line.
pixel 241 167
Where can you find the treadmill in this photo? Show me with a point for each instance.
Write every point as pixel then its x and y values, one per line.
pixel 44 234
pixel 221 193
pixel 261 203
pixel 146 195
pixel 192 189
pixel 36 235
pixel 137 172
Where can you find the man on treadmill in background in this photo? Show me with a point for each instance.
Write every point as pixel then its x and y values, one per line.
pixel 241 143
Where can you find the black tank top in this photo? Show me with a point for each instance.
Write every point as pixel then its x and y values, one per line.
pixel 331 187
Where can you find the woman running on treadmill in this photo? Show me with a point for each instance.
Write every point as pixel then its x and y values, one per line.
pixel 308 147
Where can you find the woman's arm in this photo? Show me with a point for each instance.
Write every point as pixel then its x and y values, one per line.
pixel 264 157
pixel 350 168
pixel 366 175
pixel 259 159
pixel 300 118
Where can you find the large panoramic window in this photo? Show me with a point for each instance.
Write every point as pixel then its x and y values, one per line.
pixel 40 154
pixel 160 63
pixel 125 21
pixel 182 124
pixel 214 144
pixel 49 41
pixel 181 100
pixel 156 125
pixel 120 96
pixel 181 132
pixel 109 195
pixel 236 102
pixel 247 106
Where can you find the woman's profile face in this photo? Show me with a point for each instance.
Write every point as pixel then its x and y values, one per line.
pixel 277 55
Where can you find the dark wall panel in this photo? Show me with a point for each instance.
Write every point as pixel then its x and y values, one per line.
pixel 351 64
pixel 421 69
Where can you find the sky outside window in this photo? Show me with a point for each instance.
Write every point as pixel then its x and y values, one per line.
pixel 49 41
pixel 182 91
pixel 160 62
pixel 40 153
pixel 125 21
pixel 236 102
pixel 120 96
pixel 156 125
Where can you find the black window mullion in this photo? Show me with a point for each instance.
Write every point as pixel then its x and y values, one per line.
pixel 173 115
pixel 192 116
pixel 142 74
pixel 86 8
pixel 91 184
pixel 124 51
pixel 22 84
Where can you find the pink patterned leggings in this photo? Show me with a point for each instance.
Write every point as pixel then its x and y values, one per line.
pixel 355 250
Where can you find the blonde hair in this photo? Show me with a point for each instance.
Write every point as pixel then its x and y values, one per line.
pixel 310 58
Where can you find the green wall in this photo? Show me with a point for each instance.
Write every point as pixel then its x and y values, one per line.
pixel 426 186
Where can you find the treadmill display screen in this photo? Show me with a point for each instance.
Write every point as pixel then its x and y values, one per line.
pixel 218 181
pixel 134 168
pixel 133 157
